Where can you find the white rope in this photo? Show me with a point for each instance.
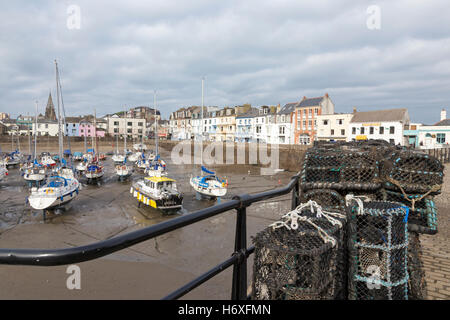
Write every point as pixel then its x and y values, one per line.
pixel 291 220
pixel 358 200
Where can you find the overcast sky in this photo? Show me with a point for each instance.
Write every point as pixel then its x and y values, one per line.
pixel 258 52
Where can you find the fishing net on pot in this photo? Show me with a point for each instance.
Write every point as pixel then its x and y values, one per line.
pixel 417 285
pixel 328 199
pixel 422 217
pixel 377 243
pixel 413 172
pixel 300 256
pixel 340 170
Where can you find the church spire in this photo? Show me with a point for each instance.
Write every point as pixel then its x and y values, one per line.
pixel 50 113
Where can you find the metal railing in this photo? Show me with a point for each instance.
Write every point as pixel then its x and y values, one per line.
pixel 55 257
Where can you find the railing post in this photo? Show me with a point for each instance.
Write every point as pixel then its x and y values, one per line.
pixel 295 196
pixel 239 286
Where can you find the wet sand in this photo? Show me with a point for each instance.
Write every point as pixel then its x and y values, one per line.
pixel 148 270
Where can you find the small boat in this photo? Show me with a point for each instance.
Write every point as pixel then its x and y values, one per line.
pixel 209 185
pixel 33 172
pixel 118 158
pixel 156 168
pixel 133 157
pixel 157 192
pixel 139 146
pixel 94 171
pixel 3 172
pixel 142 163
pixel 56 192
pixel 47 160
pixel 77 156
pixel 123 171
pixel 12 159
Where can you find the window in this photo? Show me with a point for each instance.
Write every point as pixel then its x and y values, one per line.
pixel 362 130
pixel 140 124
pixel 116 130
pixel 46 126
pixel 371 130
pixel 282 130
pixel 381 130
pixel 129 123
pixel 310 112
pixel 353 130
pixel 332 132
pixel 325 122
pixel 315 123
pixel 129 130
pixel 440 138
pixel 304 123
pixel 391 130
pixel 309 123
pixel 116 123
pixel 139 130
pixel 342 132
pixel 339 121
pixel 316 111
pixel 391 141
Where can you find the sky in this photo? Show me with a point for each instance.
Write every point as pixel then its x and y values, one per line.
pixel 114 54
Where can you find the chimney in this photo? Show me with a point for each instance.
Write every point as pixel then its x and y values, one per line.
pixel 304 98
pixel 443 114
pixel 326 95
pixel 354 109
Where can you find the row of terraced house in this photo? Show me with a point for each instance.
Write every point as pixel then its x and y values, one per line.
pixel 306 121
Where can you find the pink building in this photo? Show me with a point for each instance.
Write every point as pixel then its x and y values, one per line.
pixel 88 130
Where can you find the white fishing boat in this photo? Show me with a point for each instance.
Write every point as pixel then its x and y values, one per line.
pixel 61 188
pixel 117 157
pixel 209 185
pixel 157 192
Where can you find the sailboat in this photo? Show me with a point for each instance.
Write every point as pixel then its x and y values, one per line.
pixel 123 170
pixel 209 185
pixel 117 157
pixel 63 187
pixel 34 172
pixel 156 166
pixel 94 169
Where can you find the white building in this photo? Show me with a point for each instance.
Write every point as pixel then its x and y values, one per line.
pixel 134 128
pixel 284 127
pixel 46 127
pixel 387 125
pixel 333 127
pixel 435 136
pixel 264 125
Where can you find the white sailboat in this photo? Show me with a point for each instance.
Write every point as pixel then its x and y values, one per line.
pixel 209 185
pixel 63 187
pixel 156 167
pixel 34 172
pixel 123 171
pixel 117 157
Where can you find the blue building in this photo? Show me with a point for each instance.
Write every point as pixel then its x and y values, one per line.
pixel 72 126
pixel 244 125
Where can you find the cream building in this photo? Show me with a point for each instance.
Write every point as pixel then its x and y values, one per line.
pixel 333 127
pixel 133 128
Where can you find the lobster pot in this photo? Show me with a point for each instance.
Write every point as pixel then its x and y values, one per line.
pixel 298 264
pixel 423 217
pixel 378 243
pixel 415 172
pixel 328 199
pixel 340 170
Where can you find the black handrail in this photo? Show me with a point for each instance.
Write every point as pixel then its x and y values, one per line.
pixel 55 257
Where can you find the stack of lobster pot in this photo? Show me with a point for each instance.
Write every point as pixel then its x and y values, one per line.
pixel 301 257
pixel 413 179
pixel 378 243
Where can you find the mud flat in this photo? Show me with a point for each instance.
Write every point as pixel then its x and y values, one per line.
pixel 149 270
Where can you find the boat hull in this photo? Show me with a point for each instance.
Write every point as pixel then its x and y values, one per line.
pixel 174 203
pixel 213 191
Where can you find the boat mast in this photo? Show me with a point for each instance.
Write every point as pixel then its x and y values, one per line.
pixel 35 131
pixel 60 137
pixel 156 124
pixel 95 131
pixel 201 131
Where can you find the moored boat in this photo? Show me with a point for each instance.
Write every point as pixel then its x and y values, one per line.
pixel 157 192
